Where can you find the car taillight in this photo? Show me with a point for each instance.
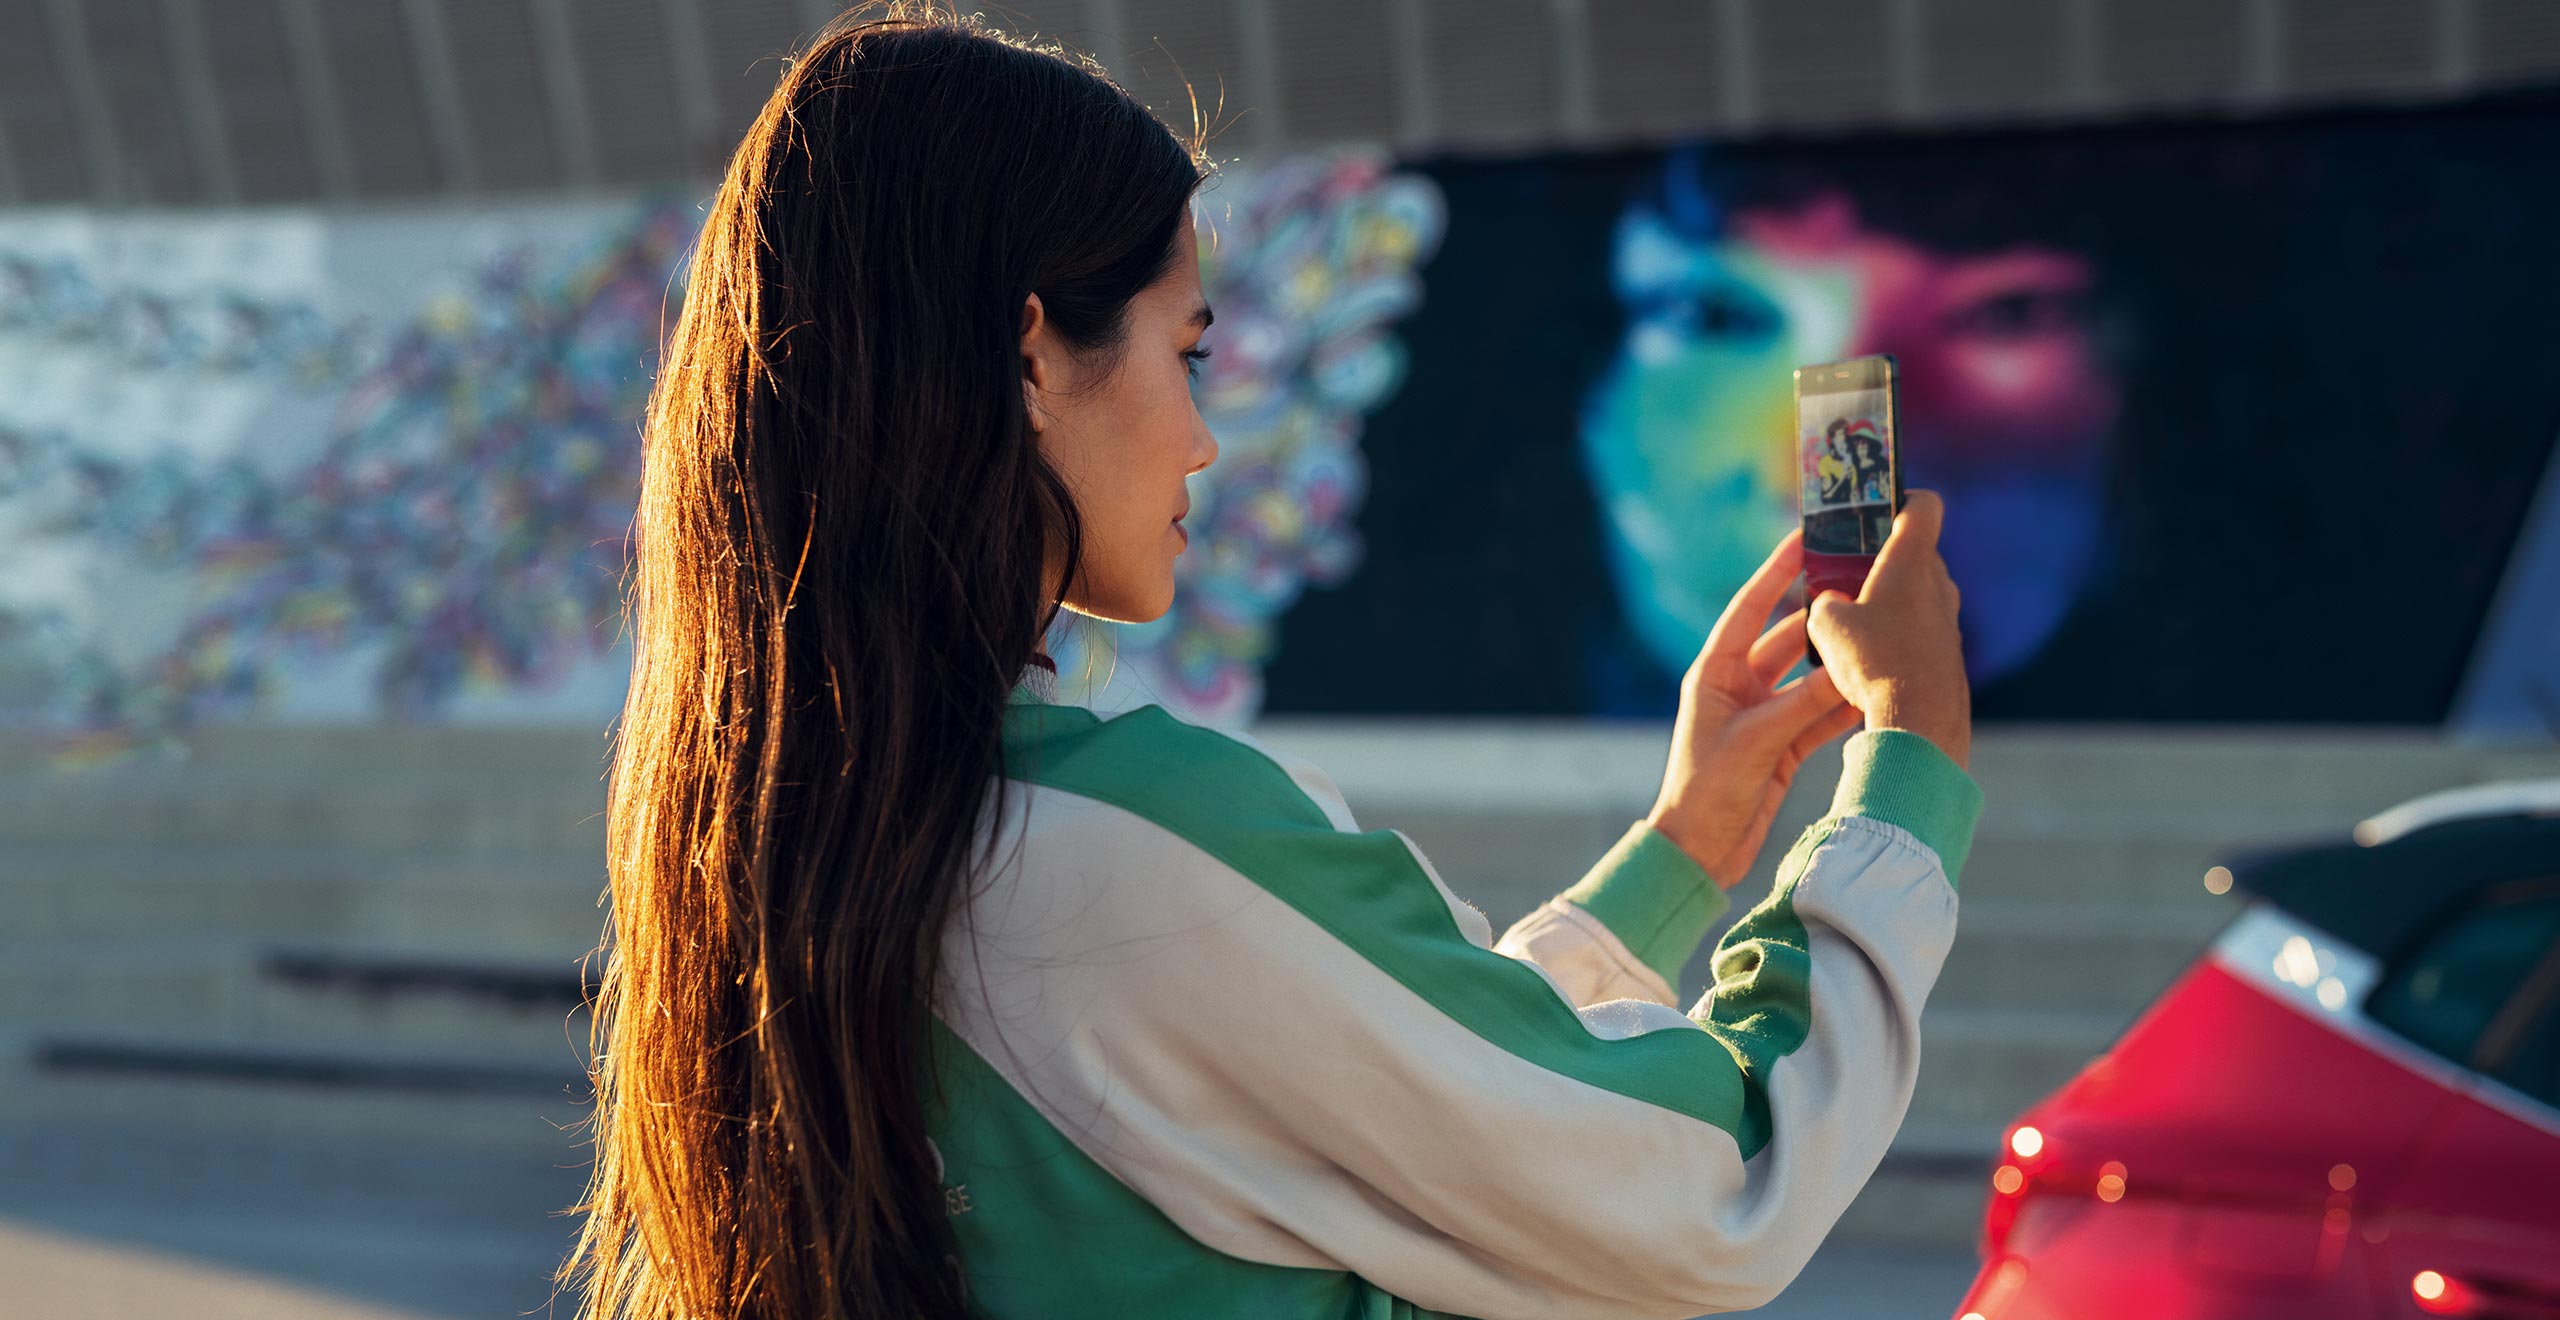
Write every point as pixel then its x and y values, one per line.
pixel 2027 1157
pixel 2035 1160
pixel 2439 1294
pixel 2041 1166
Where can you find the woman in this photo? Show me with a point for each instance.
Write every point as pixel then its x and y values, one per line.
pixel 927 995
pixel 1834 467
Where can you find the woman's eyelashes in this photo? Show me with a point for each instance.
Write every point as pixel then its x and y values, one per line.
pixel 1196 356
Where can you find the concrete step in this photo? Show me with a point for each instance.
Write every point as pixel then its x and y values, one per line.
pixel 251 1090
pixel 1982 1065
pixel 526 787
pixel 539 901
pixel 202 1099
pixel 1508 864
pixel 101 1175
pixel 184 982
pixel 459 1001
pixel 1903 1206
pixel 1511 815
pixel 458 815
pixel 521 1011
pixel 1614 767
pixel 2101 957
pixel 2220 769
pixel 2160 864
pixel 391 803
pixel 144 904
pixel 338 753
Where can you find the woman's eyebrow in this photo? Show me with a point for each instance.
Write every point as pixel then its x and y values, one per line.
pixel 1202 317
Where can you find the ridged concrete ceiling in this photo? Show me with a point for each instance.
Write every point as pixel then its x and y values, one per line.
pixel 190 102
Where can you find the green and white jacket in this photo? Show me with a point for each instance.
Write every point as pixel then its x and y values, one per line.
pixel 1207 1048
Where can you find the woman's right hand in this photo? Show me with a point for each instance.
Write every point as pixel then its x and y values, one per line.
pixel 1895 652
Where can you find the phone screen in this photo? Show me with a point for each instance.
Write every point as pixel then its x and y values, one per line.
pixel 1844 438
pixel 1850 471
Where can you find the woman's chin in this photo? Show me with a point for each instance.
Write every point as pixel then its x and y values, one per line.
pixel 1137 606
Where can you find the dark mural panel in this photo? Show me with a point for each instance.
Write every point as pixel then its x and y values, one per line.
pixel 2235 420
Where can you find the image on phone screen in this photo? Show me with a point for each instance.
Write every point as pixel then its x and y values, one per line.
pixel 1846 444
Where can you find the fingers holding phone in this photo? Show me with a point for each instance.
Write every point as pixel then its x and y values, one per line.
pixel 1894 650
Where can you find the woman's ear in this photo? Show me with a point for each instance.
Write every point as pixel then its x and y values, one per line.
pixel 1035 366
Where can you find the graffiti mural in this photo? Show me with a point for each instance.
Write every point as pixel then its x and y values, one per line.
pixel 1499 436
pixel 2197 396
pixel 2003 383
pixel 448 497
pixel 431 500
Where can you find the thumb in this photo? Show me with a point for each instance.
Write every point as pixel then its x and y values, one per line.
pixel 1911 543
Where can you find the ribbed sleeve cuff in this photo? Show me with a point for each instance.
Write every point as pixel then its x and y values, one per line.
pixel 1901 778
pixel 1655 898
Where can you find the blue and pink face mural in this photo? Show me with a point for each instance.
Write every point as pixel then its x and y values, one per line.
pixel 2008 404
pixel 2196 395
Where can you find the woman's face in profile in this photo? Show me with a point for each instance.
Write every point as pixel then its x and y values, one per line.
pixel 1124 440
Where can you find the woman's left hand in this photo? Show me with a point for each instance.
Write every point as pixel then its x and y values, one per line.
pixel 1739 738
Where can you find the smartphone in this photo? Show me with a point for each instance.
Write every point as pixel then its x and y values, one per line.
pixel 1850 470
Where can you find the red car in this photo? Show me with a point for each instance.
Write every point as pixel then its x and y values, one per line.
pixel 2349 1108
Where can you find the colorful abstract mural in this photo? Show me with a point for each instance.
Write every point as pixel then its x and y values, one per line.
pixel 442 490
pixel 455 510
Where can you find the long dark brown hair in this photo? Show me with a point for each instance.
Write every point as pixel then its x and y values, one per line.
pixel 847 549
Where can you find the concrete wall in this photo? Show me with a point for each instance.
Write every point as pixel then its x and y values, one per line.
pixel 362 937
pixel 187 102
